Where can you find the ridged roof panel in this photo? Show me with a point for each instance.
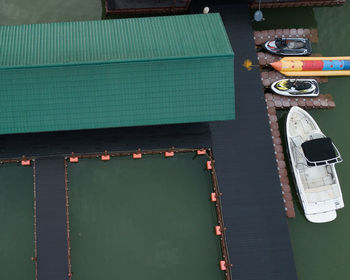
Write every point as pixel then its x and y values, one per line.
pixel 152 38
pixel 116 95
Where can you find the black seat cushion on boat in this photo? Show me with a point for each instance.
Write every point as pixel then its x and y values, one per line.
pixel 280 43
pixel 302 85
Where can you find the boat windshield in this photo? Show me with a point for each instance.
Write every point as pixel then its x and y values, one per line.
pixel 320 151
pixel 280 43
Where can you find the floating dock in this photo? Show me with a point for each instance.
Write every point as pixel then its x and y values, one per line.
pixel 132 7
pixel 255 4
pixel 323 101
pixel 261 37
pixel 265 58
pixel 51 228
pixel 269 77
pixel 273 102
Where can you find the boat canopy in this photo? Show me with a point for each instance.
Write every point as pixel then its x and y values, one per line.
pixel 320 151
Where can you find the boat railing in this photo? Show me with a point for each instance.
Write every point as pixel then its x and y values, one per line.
pixel 334 160
pixel 330 161
pixel 298 151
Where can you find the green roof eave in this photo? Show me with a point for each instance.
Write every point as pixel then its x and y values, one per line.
pixel 116 61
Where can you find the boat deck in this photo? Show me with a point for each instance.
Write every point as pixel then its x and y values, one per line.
pixel 246 167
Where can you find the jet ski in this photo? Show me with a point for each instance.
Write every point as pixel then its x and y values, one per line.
pixel 288 46
pixel 296 87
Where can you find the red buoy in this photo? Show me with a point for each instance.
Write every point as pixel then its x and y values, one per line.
pixel 169 154
pixel 218 230
pixel 73 159
pixel 213 197
pixel 25 162
pixel 209 166
pixel 105 157
pixel 222 265
pixel 136 155
pixel 201 152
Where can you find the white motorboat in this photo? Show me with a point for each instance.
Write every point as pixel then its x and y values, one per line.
pixel 312 157
pixel 296 87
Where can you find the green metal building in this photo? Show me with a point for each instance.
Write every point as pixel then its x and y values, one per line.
pixel 115 73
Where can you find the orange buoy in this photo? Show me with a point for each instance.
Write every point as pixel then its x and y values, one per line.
pixel 73 159
pixel 213 197
pixel 209 166
pixel 105 157
pixel 169 154
pixel 222 265
pixel 136 155
pixel 218 230
pixel 25 162
pixel 201 152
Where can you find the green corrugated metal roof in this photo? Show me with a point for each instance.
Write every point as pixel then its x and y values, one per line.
pixel 113 40
pixel 128 72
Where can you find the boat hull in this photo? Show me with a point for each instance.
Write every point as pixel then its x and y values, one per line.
pixel 296 93
pixel 288 46
pixel 318 186
pixel 322 217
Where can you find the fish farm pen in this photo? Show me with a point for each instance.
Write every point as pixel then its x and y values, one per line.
pixel 17 241
pixel 151 209
pixel 165 202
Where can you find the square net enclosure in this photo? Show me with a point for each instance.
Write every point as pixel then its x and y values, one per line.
pixel 17 246
pixel 146 218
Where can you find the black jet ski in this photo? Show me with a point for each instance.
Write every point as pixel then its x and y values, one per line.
pixel 289 46
pixel 296 87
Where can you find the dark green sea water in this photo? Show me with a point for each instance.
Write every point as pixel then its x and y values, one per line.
pixel 17 223
pixel 41 11
pixel 143 219
pixel 323 251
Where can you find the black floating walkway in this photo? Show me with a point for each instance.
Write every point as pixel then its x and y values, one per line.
pixel 194 135
pixel 51 219
pixel 257 230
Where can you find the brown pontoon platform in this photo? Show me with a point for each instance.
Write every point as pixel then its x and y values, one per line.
pixel 146 6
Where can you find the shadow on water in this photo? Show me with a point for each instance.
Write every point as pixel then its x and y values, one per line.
pixel 285 18
pixel 282 117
